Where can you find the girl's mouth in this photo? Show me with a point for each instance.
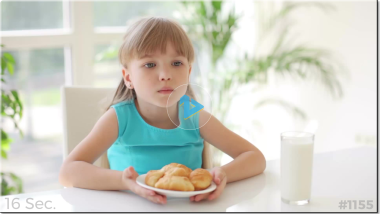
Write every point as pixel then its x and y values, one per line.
pixel 165 91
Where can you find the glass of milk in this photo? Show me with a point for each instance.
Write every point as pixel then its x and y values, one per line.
pixel 296 167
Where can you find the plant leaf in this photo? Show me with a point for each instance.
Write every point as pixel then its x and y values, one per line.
pixel 217 5
pixel 18 101
pixel 4 154
pixel 9 57
pixel 3 65
pixel 5 144
pixel 10 68
pixel 18 182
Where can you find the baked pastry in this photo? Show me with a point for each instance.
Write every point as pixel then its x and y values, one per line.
pixel 178 183
pixel 179 177
pixel 176 169
pixel 153 176
pixel 201 179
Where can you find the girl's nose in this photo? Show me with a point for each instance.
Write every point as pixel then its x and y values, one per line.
pixel 165 74
pixel 165 78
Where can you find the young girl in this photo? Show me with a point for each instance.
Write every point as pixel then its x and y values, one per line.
pixel 139 131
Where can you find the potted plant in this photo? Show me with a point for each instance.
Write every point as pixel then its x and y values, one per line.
pixel 206 22
pixel 12 108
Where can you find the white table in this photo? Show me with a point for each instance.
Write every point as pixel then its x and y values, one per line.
pixel 349 174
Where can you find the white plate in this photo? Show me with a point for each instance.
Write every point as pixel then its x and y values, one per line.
pixel 171 193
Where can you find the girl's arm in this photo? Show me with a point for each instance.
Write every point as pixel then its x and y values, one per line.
pixel 78 169
pixel 248 160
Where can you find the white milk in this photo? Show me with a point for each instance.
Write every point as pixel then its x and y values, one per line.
pixel 296 168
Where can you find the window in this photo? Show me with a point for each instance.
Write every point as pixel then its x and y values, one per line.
pixel 115 14
pixel 107 70
pixel 42 67
pixel 31 15
pixel 36 158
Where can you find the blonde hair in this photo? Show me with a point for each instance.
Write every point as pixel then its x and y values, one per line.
pixel 144 37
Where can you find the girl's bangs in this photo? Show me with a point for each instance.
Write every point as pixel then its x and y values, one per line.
pixel 155 37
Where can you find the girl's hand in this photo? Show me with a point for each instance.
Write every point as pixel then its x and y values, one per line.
pixel 129 179
pixel 220 178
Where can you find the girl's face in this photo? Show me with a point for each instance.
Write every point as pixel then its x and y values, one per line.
pixel 149 74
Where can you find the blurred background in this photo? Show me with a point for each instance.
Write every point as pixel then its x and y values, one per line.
pixel 270 67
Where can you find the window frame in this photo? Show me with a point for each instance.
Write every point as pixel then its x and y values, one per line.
pixel 78 39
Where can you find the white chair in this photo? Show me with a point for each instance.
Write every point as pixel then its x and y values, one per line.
pixel 82 107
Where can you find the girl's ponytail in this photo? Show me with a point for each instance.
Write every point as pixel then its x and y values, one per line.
pixel 122 93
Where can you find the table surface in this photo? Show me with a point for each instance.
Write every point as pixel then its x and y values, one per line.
pixel 349 174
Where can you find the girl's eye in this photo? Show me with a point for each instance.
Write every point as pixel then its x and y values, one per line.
pixel 149 65
pixel 177 63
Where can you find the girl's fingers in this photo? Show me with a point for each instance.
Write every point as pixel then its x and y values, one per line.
pixel 219 177
pixel 201 196
pixel 150 195
pixel 158 199
pixel 218 191
pixel 130 173
pixel 144 192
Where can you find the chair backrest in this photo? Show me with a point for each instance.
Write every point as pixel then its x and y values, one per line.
pixel 82 107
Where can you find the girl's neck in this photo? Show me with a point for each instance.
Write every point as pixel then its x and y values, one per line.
pixel 158 116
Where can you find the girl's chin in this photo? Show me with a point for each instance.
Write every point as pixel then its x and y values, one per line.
pixel 168 101
pixel 165 104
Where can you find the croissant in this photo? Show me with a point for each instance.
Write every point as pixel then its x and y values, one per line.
pixel 178 183
pixel 179 177
pixel 201 179
pixel 176 169
pixel 153 176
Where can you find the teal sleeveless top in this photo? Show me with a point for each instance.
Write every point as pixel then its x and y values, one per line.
pixel 147 147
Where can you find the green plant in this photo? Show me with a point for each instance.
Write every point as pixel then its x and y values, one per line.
pixel 11 107
pixel 300 61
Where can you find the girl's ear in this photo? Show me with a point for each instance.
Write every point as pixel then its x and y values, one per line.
pixel 127 80
pixel 190 72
